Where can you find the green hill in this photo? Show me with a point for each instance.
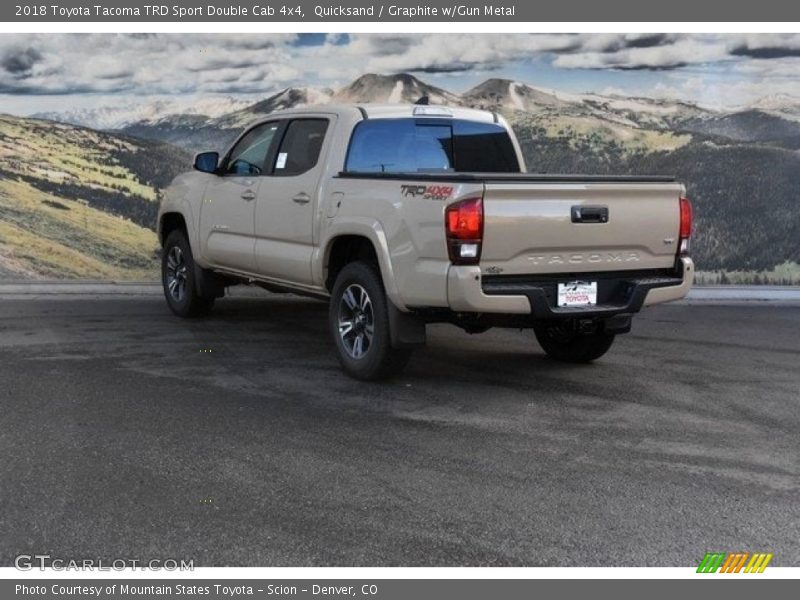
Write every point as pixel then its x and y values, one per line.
pixel 77 203
pixel 746 195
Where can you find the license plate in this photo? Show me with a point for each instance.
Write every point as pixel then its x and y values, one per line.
pixel 577 293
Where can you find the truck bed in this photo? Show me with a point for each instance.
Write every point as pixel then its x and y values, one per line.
pixel 557 223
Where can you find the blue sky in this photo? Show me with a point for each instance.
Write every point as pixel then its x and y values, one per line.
pixel 42 72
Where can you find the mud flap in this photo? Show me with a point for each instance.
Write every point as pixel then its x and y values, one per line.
pixel 208 284
pixel 405 330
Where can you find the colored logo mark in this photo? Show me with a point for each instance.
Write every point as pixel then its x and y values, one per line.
pixel 734 562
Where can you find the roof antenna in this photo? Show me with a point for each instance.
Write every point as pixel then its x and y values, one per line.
pixel 423 101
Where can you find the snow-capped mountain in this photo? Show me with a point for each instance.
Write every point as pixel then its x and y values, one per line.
pixel 121 115
pixel 779 105
pixel 214 132
pixel 286 98
pixel 210 126
pixel 179 115
pixel 514 96
pixel 500 94
pixel 399 88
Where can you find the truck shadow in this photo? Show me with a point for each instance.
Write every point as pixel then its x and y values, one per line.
pixel 510 357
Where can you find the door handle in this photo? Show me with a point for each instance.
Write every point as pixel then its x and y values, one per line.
pixel 302 198
pixel 248 195
pixel 589 214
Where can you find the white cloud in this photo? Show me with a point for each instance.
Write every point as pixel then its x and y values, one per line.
pixel 674 53
pixel 446 53
pixel 147 64
pixel 718 68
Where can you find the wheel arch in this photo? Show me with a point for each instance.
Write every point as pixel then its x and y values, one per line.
pixel 208 283
pixel 358 242
pixel 169 222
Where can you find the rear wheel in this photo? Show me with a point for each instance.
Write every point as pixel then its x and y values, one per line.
pixel 359 322
pixel 562 343
pixel 178 278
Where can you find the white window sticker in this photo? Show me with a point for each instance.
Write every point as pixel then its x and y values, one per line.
pixel 281 160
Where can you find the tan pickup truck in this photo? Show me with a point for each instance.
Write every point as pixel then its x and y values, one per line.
pixel 406 215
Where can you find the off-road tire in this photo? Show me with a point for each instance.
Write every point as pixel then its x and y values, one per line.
pixel 177 263
pixel 378 359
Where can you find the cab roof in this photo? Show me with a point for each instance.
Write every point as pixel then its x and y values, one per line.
pixel 393 111
pixel 388 111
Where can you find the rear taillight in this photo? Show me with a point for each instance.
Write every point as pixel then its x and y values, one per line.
pixel 464 228
pixel 686 226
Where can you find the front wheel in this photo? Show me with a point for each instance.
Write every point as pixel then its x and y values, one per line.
pixel 560 343
pixel 178 278
pixel 359 322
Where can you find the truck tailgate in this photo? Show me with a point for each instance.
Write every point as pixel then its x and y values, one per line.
pixel 574 227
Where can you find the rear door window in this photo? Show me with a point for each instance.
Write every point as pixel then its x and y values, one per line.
pixel 300 148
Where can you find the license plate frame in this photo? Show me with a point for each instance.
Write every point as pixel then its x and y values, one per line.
pixel 579 293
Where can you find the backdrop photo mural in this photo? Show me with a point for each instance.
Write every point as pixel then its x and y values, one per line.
pixel 93 127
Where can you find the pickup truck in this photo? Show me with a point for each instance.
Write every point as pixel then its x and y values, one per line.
pixel 405 215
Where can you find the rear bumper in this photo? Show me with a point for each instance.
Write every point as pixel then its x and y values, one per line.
pixel 670 293
pixel 618 293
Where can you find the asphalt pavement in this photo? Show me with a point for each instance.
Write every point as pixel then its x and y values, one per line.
pixel 237 441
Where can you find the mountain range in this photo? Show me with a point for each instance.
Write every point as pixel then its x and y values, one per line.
pixel 769 118
pixel 741 166
pixel 119 115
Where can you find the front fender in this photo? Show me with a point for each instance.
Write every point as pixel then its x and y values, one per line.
pixel 183 197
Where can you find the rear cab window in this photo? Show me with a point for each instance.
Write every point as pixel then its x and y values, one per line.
pixel 413 145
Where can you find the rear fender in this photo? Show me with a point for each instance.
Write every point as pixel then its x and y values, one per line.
pixel 371 230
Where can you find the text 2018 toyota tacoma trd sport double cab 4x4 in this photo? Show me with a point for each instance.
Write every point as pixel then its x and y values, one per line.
pixel 415 214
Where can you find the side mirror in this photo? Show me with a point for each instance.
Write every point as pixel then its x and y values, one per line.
pixel 206 162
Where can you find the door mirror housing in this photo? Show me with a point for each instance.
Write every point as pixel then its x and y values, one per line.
pixel 206 162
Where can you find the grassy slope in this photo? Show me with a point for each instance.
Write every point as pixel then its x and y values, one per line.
pixel 787 273
pixel 582 132
pixel 42 236
pixel 745 194
pixel 77 203
pixel 60 153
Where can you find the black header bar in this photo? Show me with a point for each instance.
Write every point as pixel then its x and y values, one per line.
pixel 399 11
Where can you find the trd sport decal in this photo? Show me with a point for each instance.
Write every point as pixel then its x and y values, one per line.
pixel 427 192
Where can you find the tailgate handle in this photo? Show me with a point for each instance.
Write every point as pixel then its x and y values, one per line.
pixel 589 214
